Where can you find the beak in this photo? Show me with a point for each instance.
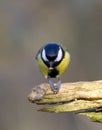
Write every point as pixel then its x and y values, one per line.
pixel 51 65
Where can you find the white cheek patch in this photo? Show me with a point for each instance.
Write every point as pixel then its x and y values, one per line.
pixel 59 56
pixel 44 55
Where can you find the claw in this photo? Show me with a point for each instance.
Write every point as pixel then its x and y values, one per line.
pixel 55 88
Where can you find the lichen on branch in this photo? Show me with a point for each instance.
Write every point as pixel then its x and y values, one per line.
pixel 78 97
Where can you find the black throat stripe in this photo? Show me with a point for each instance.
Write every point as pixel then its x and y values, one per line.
pixel 53 73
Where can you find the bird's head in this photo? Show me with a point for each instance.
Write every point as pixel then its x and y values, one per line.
pixel 52 54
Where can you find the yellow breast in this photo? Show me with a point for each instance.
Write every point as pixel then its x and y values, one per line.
pixel 61 67
pixel 42 67
pixel 63 64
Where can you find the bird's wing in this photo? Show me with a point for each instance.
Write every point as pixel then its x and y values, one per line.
pixel 36 57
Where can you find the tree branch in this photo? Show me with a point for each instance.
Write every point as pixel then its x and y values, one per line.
pixel 78 97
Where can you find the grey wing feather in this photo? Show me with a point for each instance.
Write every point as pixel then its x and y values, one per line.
pixel 36 57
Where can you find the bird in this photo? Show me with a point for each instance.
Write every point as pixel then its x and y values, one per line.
pixel 53 60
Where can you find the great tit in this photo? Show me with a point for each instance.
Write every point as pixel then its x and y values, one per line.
pixel 53 61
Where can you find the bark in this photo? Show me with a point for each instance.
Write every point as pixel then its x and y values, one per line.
pixel 79 97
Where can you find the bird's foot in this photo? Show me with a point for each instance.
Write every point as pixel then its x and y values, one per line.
pixel 55 87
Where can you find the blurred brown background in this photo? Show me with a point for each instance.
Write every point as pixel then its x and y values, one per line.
pixel 25 26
